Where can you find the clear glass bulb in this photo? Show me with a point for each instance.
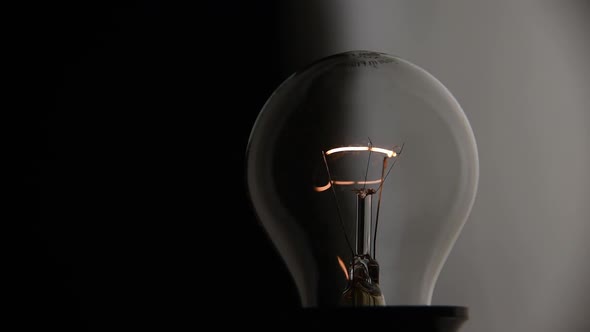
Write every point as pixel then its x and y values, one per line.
pixel 362 168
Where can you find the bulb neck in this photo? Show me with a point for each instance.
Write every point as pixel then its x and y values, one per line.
pixel 363 289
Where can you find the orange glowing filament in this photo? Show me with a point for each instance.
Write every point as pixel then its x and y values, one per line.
pixel 344 183
pixel 388 153
pixel 343 267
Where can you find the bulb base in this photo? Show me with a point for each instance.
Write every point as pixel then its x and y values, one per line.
pixel 421 318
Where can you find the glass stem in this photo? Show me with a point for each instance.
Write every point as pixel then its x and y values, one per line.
pixel 363 223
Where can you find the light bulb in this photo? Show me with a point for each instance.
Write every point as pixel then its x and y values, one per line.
pixel 362 168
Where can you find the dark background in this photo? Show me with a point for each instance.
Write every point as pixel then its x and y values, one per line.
pixel 137 118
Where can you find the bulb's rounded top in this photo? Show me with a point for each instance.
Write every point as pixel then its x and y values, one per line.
pixel 350 125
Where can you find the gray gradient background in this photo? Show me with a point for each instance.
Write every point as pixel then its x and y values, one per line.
pixel 520 71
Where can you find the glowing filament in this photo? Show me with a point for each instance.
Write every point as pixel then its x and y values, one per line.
pixel 343 267
pixel 344 183
pixel 388 153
